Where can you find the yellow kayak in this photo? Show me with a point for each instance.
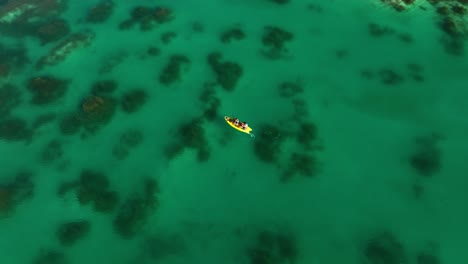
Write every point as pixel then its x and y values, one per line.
pixel 230 121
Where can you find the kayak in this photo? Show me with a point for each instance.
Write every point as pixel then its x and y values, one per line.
pixel 230 121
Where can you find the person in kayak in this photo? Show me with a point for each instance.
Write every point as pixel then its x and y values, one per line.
pixel 236 121
pixel 244 125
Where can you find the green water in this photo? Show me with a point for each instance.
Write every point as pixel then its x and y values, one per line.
pixel 114 147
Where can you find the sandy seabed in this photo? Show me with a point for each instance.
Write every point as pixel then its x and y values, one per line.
pixel 119 153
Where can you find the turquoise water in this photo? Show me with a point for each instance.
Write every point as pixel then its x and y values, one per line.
pixel 114 147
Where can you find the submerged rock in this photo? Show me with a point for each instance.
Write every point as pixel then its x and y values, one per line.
pixel 160 246
pixel 10 97
pixel 60 52
pixel 12 194
pixel 50 257
pixel 97 111
pixel 384 248
pixel 14 129
pixel 100 12
pixel 134 212
pixel 274 40
pixel 133 100
pixel 426 157
pixel 70 232
pixel 53 30
pixel 92 188
pixel 273 248
pixel 227 73
pixel 46 89
pixel 173 70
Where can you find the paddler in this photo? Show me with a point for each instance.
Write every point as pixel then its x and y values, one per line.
pixel 244 125
pixel 237 123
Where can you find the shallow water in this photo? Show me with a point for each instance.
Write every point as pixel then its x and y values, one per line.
pixel 114 147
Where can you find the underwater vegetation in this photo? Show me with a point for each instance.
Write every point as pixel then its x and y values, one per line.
pixel 52 30
pixel 10 98
pixel 381 31
pixel 70 232
pixel 159 246
pixel 294 152
pixel 15 129
pixel 281 2
pixel 426 156
pixel 46 89
pixel 210 102
pixel 289 89
pixel 451 20
pixel 227 73
pixel 15 192
pixel 46 27
pixel 190 135
pixel 167 37
pixel 128 140
pixel 68 45
pixel 50 256
pixel 12 59
pixel 273 247
pixel 104 87
pixel 428 256
pixel 384 248
pixel 270 138
pixel 100 12
pixel 135 210
pixel 411 72
pixel 171 73
pixel 268 148
pixel 51 152
pixel 97 111
pixel 94 112
pixel 274 42
pixel 133 100
pixel 92 188
pixel 231 34
pixel 147 17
